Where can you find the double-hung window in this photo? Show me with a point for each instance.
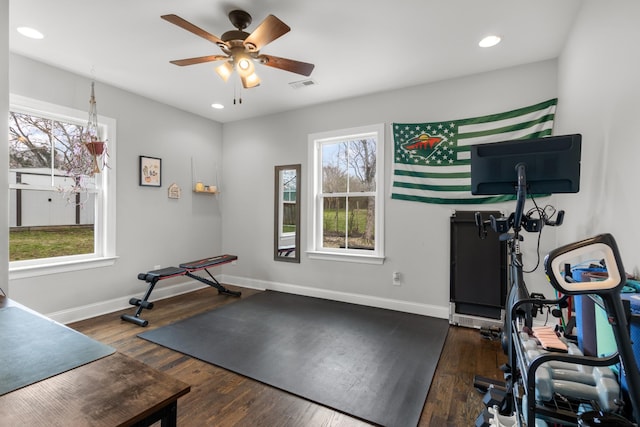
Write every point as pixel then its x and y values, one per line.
pixel 346 194
pixel 57 222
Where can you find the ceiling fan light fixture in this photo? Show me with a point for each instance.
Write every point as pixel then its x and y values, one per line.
pixel 252 80
pixel 225 70
pixel 244 64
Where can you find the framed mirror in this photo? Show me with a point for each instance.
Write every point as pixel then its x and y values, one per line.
pixel 287 214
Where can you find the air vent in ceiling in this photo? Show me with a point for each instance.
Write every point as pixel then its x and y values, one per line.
pixel 303 83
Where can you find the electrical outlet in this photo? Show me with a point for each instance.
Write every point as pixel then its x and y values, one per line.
pixel 396 278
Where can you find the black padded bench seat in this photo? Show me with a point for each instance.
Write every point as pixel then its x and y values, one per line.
pixel 208 262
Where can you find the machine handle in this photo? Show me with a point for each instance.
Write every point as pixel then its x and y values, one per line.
pixel 602 246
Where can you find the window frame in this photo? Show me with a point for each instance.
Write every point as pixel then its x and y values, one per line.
pixel 315 198
pixel 105 203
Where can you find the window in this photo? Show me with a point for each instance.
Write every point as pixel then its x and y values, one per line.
pixel 346 195
pixel 52 227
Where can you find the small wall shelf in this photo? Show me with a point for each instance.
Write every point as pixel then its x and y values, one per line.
pixel 200 186
pixel 205 191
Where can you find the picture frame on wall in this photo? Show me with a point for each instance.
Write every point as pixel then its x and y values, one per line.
pixel 150 171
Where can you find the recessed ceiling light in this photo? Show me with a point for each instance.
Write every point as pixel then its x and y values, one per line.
pixel 217 106
pixel 489 41
pixel 32 33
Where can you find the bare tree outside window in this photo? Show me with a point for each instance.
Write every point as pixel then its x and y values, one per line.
pixel 348 189
pixel 32 140
pixel 44 220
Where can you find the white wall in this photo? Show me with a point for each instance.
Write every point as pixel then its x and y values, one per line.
pixel 596 83
pixel 600 98
pixel 4 153
pixel 416 235
pixel 151 228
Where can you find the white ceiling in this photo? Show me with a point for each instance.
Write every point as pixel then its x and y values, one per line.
pixel 358 46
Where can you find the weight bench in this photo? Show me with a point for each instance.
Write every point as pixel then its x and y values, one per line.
pixel 185 269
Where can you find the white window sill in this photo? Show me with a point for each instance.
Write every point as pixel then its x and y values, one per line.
pixel 346 257
pixel 41 269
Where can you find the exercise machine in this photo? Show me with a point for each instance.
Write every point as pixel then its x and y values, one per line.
pixel 185 269
pixel 538 380
pixel 519 168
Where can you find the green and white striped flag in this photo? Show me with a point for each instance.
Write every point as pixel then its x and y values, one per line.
pixel 432 161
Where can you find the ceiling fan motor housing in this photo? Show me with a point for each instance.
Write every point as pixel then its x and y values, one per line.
pixel 234 35
pixel 234 39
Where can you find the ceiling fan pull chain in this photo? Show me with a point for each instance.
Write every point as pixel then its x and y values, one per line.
pixel 235 92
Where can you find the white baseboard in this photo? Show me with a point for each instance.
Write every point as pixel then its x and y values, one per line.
pixel 391 304
pixel 92 310
pixel 76 314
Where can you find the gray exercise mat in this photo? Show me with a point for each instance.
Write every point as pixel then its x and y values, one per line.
pixel 371 363
pixel 33 348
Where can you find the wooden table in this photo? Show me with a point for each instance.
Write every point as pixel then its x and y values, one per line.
pixel 116 390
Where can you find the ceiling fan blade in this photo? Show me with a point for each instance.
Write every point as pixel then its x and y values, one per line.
pixel 176 20
pixel 287 64
pixel 268 30
pixel 199 60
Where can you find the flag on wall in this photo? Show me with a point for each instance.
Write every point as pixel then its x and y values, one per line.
pixel 432 161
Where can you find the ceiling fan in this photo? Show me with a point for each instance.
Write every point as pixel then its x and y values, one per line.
pixel 242 49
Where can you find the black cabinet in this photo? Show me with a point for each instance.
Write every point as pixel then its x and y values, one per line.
pixel 478 278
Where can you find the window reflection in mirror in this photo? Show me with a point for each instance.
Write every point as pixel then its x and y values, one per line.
pixel 287 213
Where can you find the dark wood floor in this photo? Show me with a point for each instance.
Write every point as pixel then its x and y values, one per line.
pixel 221 398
